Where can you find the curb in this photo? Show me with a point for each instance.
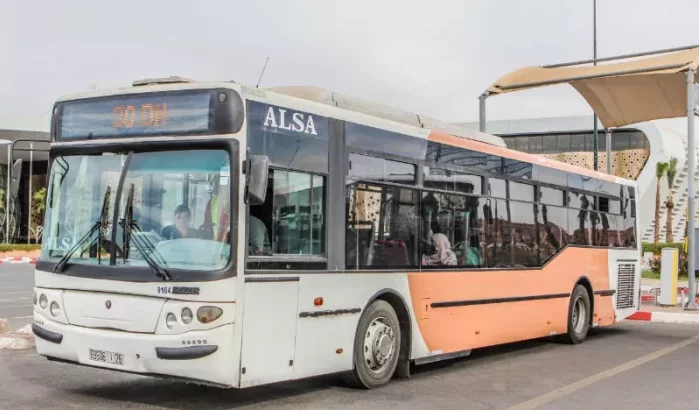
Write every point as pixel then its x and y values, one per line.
pixel 666 317
pixel 18 259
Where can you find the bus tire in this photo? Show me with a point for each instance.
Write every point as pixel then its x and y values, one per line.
pixel 376 347
pixel 578 316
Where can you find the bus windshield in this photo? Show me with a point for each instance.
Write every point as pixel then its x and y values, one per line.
pixel 174 209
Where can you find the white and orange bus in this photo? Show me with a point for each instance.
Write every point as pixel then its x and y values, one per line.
pixel 237 236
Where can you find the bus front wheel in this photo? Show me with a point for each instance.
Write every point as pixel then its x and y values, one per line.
pixel 376 347
pixel 578 316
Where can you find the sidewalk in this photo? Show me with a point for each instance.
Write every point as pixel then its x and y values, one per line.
pixel 649 311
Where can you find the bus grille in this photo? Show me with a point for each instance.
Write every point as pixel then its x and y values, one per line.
pixel 625 283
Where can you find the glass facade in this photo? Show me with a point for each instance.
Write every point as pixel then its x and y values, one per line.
pixel 622 140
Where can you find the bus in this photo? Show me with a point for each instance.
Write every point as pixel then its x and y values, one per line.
pixel 236 236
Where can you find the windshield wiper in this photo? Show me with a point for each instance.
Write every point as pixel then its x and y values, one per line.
pixel 97 227
pixel 128 224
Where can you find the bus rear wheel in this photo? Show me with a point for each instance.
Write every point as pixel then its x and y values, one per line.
pixel 376 347
pixel 579 316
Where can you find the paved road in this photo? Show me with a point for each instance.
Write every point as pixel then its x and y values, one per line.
pixel 16 283
pixel 631 366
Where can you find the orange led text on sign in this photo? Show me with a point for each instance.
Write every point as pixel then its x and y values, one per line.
pixel 149 115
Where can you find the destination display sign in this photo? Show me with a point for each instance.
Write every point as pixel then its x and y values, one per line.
pixel 136 115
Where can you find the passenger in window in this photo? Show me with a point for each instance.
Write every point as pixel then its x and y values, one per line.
pixel 181 228
pixel 258 243
pixel 443 255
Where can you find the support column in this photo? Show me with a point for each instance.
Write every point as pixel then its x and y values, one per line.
pixel 691 160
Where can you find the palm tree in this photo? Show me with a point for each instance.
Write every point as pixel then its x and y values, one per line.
pixel 669 204
pixel 660 170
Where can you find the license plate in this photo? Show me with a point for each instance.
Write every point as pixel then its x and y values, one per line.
pixel 106 357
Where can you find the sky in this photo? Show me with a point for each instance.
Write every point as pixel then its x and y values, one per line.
pixel 429 57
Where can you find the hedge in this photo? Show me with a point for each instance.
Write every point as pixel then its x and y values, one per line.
pixel 657 248
pixel 8 247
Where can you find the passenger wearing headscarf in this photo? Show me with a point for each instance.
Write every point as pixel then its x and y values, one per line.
pixel 443 254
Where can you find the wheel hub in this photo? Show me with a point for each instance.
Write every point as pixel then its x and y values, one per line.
pixel 379 344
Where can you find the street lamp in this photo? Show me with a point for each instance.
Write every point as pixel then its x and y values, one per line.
pixel 7 143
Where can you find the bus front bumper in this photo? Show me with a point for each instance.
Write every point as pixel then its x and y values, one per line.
pixel 205 356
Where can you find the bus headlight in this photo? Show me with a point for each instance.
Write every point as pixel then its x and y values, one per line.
pixel 43 301
pixel 55 309
pixel 187 316
pixel 207 314
pixel 170 320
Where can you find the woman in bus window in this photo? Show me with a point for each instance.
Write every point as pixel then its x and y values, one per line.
pixel 443 255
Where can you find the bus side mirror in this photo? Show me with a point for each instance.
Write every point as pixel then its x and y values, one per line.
pixel 256 179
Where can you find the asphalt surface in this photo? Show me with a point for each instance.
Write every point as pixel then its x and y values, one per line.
pixel 16 283
pixel 637 365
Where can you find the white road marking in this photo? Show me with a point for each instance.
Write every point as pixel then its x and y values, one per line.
pixel 573 387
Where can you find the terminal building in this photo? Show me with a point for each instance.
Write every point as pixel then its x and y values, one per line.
pixel 635 151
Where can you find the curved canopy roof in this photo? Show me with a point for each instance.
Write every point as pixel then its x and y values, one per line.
pixel 621 93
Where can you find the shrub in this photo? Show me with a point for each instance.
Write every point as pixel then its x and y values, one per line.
pixel 656 249
pixel 7 247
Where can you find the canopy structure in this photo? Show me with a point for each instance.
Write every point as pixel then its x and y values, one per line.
pixel 660 85
pixel 621 93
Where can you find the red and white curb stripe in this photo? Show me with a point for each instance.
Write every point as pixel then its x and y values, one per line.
pixel 666 317
pixel 18 259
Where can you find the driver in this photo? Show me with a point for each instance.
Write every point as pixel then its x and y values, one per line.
pixel 181 228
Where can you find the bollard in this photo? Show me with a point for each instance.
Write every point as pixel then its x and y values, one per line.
pixel 668 276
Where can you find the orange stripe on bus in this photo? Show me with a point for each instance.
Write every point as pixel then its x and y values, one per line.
pixel 443 138
pixel 455 328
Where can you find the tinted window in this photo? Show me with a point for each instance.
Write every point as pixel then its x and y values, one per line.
pixel 291 139
pixel 552 176
pixel 581 201
pixel 456 217
pixel 522 144
pixel 522 192
pixel 452 180
pixel 551 196
pixel 516 168
pixel 577 142
pixel 564 143
pixel 637 140
pixel 536 145
pixel 553 231
pixel 524 234
pixel 550 146
pixel 375 139
pixel 497 233
pixel 579 225
pixel 609 188
pixel 363 167
pixel 382 228
pixel 498 187
pixel 614 206
pixel 603 204
pixel 495 164
pixel 445 154
pixel 620 141
pixel 575 181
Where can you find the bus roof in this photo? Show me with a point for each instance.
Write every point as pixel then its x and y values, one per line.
pixel 345 102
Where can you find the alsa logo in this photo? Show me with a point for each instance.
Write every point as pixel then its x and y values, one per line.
pixel 298 121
